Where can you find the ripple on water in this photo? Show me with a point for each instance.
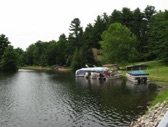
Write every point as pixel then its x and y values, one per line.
pixel 39 99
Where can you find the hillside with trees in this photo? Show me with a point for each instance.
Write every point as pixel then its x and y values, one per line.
pixel 123 37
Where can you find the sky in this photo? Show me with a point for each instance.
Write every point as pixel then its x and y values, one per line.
pixel 25 22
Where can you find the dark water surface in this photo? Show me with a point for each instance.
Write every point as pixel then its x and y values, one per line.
pixel 58 99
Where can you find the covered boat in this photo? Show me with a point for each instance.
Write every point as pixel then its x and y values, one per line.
pixel 85 71
pixel 138 76
pixel 98 73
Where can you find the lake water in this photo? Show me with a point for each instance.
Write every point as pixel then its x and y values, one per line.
pixel 58 99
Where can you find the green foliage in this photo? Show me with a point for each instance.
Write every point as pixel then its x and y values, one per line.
pixel 88 36
pixel 127 17
pixel 99 27
pixel 9 61
pixel 36 54
pixel 51 53
pixel 116 16
pixel 75 27
pixel 157 36
pixel 3 44
pixel 118 44
pixel 61 55
pixel 28 55
pixel 161 97
pixel 77 60
pixel 149 12
pixel 145 24
pixel 20 53
pixel 81 57
pixel 138 22
pixel 76 32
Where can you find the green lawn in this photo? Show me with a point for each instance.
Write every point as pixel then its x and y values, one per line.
pixel 158 71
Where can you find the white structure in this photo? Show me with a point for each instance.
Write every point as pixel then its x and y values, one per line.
pixel 138 76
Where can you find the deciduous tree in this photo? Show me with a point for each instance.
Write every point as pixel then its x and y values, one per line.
pixel 118 44
pixel 3 44
pixel 9 61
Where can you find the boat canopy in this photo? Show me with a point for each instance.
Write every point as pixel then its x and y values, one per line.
pixel 93 69
pixel 138 72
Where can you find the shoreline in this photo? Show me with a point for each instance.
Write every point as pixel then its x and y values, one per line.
pixel 46 68
pixel 152 117
pixel 155 112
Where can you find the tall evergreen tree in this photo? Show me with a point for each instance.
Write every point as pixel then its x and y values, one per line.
pixel 62 50
pixel 116 16
pixel 88 36
pixel 143 49
pixel 127 17
pixel 76 31
pixel 98 28
pixel 157 37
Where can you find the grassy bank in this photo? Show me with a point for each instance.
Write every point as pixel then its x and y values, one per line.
pixel 158 71
pixel 161 97
pixel 36 68
pixel 46 68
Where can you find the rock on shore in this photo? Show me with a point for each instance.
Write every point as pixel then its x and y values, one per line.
pixel 152 117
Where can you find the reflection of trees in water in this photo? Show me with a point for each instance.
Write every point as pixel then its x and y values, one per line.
pixel 137 88
pixel 141 88
pixel 116 86
pixel 119 97
pixel 82 82
pixel 97 84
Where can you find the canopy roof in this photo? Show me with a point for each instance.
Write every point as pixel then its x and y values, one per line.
pixel 137 67
pixel 94 69
pixel 138 72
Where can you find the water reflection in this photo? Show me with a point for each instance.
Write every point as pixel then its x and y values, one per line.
pixel 126 98
pixel 58 99
pixel 121 84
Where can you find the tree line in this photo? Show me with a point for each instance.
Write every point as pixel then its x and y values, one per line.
pixel 123 37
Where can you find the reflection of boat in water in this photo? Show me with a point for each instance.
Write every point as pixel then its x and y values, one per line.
pixel 100 73
pixel 83 82
pixel 136 87
pixel 142 87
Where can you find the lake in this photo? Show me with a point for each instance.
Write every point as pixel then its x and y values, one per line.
pixel 57 99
